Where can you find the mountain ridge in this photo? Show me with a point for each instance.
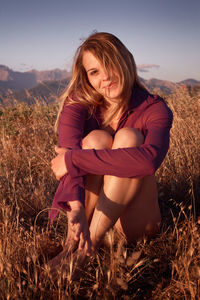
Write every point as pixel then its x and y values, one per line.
pixel 17 81
pixel 8 76
pixel 45 86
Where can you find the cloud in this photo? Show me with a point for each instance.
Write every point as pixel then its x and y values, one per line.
pixel 142 70
pixel 24 67
pixel 146 67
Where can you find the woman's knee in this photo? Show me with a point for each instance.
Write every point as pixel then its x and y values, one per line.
pixel 97 139
pixel 128 137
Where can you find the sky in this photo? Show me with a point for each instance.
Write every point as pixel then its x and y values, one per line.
pixel 162 35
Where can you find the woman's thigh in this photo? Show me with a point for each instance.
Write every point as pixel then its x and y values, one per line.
pixel 142 216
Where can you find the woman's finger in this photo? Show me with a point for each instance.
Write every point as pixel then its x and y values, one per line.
pixel 82 242
pixel 58 166
pixel 78 232
pixel 56 148
pixel 88 246
pixel 52 163
pixel 59 150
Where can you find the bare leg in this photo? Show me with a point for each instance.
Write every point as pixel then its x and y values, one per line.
pixel 142 215
pixel 92 191
pixel 130 202
pixel 96 139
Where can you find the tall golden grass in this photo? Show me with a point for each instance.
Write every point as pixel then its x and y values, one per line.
pixel 167 267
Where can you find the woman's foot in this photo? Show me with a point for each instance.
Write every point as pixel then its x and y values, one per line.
pixel 67 265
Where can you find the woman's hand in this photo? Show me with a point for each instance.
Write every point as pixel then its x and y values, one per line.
pixel 78 226
pixel 58 165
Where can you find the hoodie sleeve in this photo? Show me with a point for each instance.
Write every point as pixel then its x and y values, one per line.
pixel 136 162
pixel 71 129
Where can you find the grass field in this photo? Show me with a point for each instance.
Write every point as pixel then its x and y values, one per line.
pixel 167 267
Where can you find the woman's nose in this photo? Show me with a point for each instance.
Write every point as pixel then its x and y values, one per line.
pixel 105 75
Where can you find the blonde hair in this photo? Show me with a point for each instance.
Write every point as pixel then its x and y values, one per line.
pixel 114 56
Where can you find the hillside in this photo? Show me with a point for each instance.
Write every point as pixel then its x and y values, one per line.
pixel 167 267
pixel 44 93
pixel 17 81
pixel 45 86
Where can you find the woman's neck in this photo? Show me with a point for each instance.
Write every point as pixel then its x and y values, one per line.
pixel 111 115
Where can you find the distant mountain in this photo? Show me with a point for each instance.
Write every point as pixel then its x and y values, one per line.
pixel 16 81
pixel 55 74
pixel 46 86
pixel 163 86
pixel 190 82
pixel 44 93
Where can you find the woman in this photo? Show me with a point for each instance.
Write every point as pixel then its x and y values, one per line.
pixel 113 135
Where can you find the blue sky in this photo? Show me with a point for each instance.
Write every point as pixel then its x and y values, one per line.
pixel 163 35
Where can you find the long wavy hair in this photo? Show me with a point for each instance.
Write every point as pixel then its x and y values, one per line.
pixel 114 57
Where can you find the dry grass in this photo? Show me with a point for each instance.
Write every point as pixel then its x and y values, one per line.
pixel 167 267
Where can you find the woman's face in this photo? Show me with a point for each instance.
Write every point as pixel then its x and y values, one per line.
pixel 109 88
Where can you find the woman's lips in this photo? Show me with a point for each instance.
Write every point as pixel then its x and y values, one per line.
pixel 112 84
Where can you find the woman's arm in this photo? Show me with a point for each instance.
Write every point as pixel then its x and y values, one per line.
pixel 70 134
pixel 71 130
pixel 71 126
pixel 128 162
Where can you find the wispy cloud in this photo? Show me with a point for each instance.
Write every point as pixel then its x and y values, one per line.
pixel 146 67
pixel 24 67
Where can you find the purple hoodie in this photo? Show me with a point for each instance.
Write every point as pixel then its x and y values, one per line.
pixel 147 113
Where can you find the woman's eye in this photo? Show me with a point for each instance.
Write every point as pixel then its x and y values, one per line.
pixel 93 72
